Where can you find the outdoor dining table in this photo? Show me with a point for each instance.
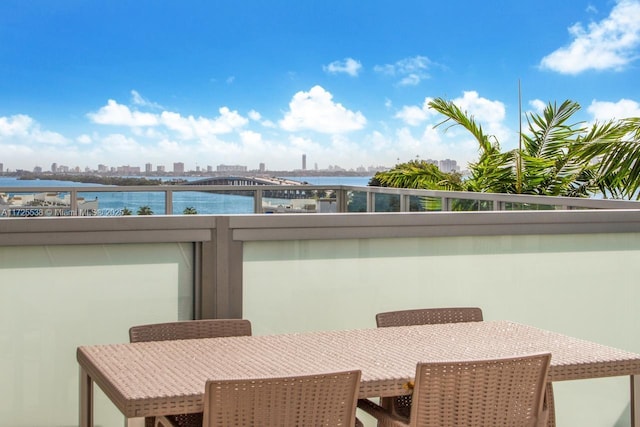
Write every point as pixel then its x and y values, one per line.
pixel 168 377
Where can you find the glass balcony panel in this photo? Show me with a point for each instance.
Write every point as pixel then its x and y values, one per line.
pixel 119 203
pixel 298 201
pixel 470 205
pixel 425 204
pixel 357 201
pixel 213 202
pixel 515 206
pixel 56 298
pixel 387 202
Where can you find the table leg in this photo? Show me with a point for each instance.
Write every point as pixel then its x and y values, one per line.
pixel 86 399
pixel 635 401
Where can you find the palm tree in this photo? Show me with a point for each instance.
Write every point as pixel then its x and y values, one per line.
pixel 126 211
pixel 145 210
pixel 418 174
pixel 616 145
pixel 189 210
pixel 557 157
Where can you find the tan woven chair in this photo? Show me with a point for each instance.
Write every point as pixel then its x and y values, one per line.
pixel 401 405
pixel 506 392
pixel 313 400
pixel 189 329
pixel 429 316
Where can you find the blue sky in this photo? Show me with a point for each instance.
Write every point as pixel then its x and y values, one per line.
pixel 345 82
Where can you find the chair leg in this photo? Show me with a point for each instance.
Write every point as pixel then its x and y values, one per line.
pixel 550 406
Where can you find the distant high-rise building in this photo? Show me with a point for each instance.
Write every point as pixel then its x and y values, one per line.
pixel 178 168
pixel 128 170
pixel 304 162
pixel 231 168
pixel 37 169
pixel 448 165
pixel 148 168
pixel 209 168
pixel 160 169
pixel 54 167
pixel 262 167
pixel 103 168
pixel 1 168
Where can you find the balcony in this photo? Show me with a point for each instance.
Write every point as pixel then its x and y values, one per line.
pixel 69 281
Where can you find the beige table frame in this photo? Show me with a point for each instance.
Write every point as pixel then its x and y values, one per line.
pixel 157 378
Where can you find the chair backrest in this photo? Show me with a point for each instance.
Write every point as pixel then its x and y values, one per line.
pixel 428 316
pixel 497 392
pixel 190 329
pixel 315 400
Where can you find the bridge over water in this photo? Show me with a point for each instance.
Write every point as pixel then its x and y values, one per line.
pixel 278 188
pixel 243 180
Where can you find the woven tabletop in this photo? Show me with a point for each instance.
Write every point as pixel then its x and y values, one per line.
pixel 155 378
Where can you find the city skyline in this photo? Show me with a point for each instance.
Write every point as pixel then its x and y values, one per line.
pixel 446 165
pixel 85 83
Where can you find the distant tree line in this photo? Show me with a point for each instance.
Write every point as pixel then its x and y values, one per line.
pixel 94 179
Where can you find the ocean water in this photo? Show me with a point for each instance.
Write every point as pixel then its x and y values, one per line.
pixel 113 203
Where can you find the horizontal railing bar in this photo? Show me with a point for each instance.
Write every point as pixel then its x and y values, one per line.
pixel 499 199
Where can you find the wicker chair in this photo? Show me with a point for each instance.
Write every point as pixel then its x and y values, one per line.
pixel 190 329
pixel 429 316
pixel 507 392
pixel 401 405
pixel 312 400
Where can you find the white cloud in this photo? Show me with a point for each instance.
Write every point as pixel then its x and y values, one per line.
pixel 15 125
pixel 21 128
pixel 315 110
pixel 410 70
pixel 120 115
pixel 609 44
pixel 250 138
pixel 537 105
pixel 414 115
pixel 139 100
pixel 254 115
pixel 348 66
pixel 84 139
pixel 304 144
pixel 169 146
pixel 177 123
pixel 120 143
pixel 602 110
pixel 201 127
pixel 482 109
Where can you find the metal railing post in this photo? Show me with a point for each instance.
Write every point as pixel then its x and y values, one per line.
pixel 257 201
pixel 168 202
